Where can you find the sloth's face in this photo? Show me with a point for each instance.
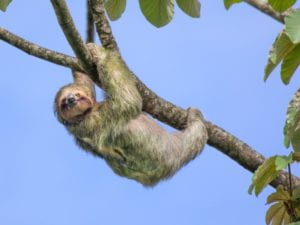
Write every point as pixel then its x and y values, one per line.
pixel 73 105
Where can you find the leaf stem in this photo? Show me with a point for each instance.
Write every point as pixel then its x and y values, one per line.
pixel 290 180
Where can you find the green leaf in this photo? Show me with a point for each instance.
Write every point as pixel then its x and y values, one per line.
pixel 265 174
pixel 281 5
pixel 273 211
pixel 286 141
pixel 296 196
pixel 279 216
pixel 158 12
pixel 290 64
pixel 229 3
pixel 277 213
pixel 287 218
pixel 297 223
pixel 190 7
pixel 280 48
pixel 281 162
pixel 279 195
pixel 295 139
pixel 296 156
pixel 292 118
pixel 115 8
pixel 292 26
pixel 4 4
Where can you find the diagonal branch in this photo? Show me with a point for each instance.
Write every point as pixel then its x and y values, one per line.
pixel 90 31
pixel 66 23
pixel 38 51
pixel 102 25
pixel 264 7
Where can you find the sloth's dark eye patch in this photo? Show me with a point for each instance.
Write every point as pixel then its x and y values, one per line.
pixel 63 105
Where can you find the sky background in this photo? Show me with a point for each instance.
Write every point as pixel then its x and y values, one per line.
pixel 214 63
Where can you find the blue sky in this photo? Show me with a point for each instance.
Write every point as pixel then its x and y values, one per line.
pixel 214 63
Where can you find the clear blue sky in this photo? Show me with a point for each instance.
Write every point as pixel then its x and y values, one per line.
pixel 214 63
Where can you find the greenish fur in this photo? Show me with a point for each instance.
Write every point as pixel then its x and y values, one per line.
pixel 132 143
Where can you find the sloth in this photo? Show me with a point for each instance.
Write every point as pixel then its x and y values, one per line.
pixel 132 143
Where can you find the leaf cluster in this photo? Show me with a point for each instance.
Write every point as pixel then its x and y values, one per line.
pixel 157 12
pixel 285 207
pixel 286 49
pixel 267 172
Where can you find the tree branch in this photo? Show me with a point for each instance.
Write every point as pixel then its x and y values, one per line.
pixel 90 31
pixel 220 139
pixel 38 51
pixel 102 25
pixel 66 23
pixel 264 7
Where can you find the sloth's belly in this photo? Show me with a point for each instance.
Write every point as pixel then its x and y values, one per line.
pixel 134 157
pixel 146 170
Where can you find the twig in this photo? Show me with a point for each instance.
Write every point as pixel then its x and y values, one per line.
pixel 102 25
pixel 290 180
pixel 264 7
pixel 66 23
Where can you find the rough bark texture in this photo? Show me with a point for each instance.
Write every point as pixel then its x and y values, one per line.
pixel 102 25
pixel 38 51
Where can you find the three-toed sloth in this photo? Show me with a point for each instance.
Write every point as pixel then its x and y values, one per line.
pixel 132 143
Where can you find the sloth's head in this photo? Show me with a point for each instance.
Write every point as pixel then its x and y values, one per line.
pixel 73 103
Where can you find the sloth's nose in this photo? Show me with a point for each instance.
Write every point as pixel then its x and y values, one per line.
pixel 71 100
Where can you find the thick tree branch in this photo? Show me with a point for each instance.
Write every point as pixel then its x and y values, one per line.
pixel 263 6
pixel 220 139
pixel 66 23
pixel 102 25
